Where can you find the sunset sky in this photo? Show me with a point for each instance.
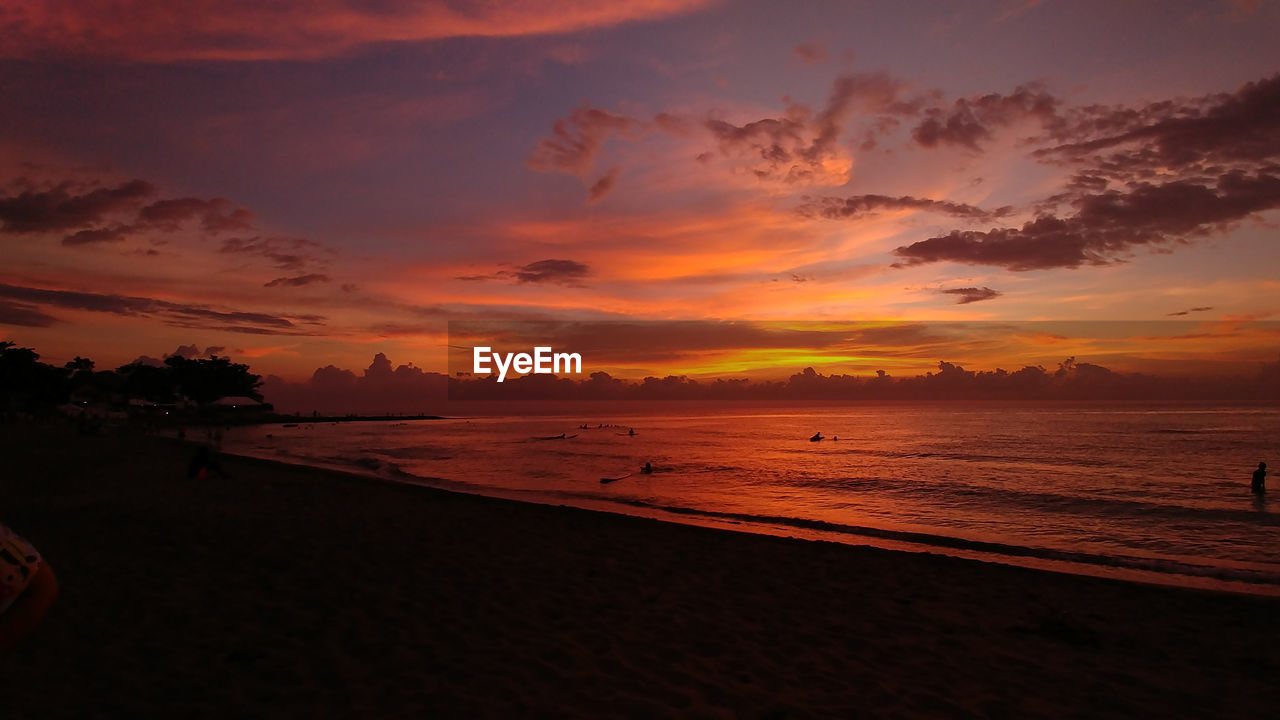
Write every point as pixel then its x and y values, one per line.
pixel 305 187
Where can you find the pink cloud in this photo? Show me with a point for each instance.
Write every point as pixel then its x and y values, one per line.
pixel 254 30
pixel 810 53
pixel 576 140
pixel 603 186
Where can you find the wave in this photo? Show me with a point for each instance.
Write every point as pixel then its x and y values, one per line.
pixel 1168 566
pixel 1101 508
pixel 1008 459
pixel 953 493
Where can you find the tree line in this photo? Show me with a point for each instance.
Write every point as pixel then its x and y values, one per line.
pixel 31 386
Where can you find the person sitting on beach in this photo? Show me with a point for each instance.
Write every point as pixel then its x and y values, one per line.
pixel 27 589
pixel 1260 478
pixel 203 463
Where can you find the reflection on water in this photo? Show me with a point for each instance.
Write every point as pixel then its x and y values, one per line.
pixel 1155 489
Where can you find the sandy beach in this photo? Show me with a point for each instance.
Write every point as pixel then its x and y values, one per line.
pixel 288 591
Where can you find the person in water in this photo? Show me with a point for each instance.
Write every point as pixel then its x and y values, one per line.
pixel 648 468
pixel 1260 478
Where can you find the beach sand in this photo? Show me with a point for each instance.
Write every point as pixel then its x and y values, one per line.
pixel 293 592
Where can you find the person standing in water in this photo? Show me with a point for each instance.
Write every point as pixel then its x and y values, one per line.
pixel 1260 478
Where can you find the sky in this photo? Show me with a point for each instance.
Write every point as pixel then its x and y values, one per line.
pixel 303 185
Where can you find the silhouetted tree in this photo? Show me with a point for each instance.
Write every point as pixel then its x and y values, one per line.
pixel 204 380
pixel 148 382
pixel 79 365
pixel 26 383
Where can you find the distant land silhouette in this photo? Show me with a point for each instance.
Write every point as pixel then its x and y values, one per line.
pixel 384 389
pixel 408 389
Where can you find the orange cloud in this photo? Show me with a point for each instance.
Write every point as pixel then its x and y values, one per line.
pixel 254 30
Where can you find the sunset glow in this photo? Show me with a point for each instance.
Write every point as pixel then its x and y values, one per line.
pixel 301 189
pixel 639 358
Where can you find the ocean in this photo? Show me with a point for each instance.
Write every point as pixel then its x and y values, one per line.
pixel 1157 494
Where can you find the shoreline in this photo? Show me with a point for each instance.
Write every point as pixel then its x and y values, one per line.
pixel 1227 577
pixel 290 590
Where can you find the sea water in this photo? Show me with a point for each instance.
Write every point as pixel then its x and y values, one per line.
pixel 1148 493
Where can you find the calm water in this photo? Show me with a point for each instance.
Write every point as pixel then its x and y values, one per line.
pixel 1159 494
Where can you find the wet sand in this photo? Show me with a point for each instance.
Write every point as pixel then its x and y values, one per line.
pixel 288 591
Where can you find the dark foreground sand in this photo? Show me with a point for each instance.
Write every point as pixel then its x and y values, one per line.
pixel 297 593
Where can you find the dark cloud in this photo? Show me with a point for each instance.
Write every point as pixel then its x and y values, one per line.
pixel 72 300
pixel 1188 311
pixel 62 208
pixel 603 186
pixel 1106 226
pixel 116 234
pixel 147 360
pixel 970 121
pixel 23 315
pixel 95 215
pixel 557 272
pixel 860 205
pixel 298 281
pixel 216 215
pixel 193 351
pixel 576 140
pixel 560 272
pixel 810 53
pixel 967 295
pixel 407 389
pixel 791 148
pixel 241 329
pixel 1243 126
pixel 285 253
pixel 1164 173
pixel 175 314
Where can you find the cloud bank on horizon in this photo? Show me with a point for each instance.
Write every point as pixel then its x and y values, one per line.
pixel 301 182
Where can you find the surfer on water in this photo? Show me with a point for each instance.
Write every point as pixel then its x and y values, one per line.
pixel 1259 484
